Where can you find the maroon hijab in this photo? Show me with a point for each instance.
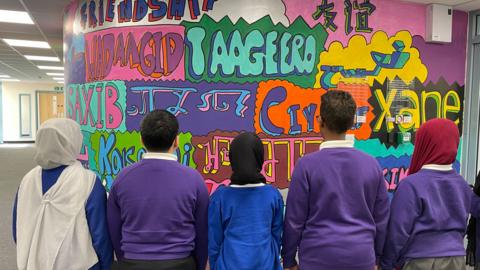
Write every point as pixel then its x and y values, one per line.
pixel 436 142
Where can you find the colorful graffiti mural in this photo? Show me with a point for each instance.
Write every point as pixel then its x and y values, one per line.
pixel 224 67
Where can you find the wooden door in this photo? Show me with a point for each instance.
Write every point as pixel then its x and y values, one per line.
pixel 50 105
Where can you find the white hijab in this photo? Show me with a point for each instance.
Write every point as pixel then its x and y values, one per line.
pixel 59 142
pixel 52 228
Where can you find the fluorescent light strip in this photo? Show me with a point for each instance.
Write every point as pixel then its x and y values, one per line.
pixel 4 76
pixel 50 67
pixel 54 74
pixel 10 16
pixel 27 43
pixel 9 80
pixel 59 79
pixel 42 58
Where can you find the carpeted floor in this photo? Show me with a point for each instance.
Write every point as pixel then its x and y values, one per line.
pixel 15 162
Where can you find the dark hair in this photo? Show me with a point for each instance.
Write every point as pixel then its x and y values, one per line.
pixel 246 158
pixel 337 110
pixel 159 129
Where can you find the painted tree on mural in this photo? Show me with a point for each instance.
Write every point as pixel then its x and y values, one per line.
pixel 222 70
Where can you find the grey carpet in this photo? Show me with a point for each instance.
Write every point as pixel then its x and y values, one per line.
pixel 15 162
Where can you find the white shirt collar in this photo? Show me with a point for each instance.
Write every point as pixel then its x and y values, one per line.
pixel 248 185
pixel 437 167
pixel 156 155
pixel 337 144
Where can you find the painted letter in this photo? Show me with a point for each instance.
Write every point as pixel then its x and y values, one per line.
pixel 274 97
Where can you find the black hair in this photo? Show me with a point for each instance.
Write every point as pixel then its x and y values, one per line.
pixel 246 158
pixel 337 110
pixel 159 129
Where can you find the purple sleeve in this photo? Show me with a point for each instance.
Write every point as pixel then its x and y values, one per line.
pixel 114 223
pixel 296 215
pixel 403 212
pixel 201 226
pixel 381 215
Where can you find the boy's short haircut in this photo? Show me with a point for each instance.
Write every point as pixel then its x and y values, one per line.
pixel 159 129
pixel 338 110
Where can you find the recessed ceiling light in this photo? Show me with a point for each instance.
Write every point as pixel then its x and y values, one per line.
pixel 4 76
pixel 9 80
pixel 59 78
pixel 42 58
pixel 27 43
pixel 51 67
pixel 54 74
pixel 10 16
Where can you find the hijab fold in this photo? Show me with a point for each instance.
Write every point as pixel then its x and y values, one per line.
pixel 59 142
pixel 437 143
pixel 246 158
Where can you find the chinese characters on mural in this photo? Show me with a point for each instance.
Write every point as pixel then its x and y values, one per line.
pixel 359 12
pixel 221 77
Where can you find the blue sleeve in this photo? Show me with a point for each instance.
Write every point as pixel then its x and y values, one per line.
pixel 14 219
pixel 277 224
pixel 96 211
pixel 215 230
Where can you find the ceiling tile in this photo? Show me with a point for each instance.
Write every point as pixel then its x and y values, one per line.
pixel 12 5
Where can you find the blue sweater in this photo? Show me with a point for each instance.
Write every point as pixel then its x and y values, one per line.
pixel 245 228
pixel 96 217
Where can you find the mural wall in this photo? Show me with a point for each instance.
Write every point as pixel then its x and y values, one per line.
pixel 227 66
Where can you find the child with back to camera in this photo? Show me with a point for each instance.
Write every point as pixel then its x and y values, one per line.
pixel 246 218
pixel 337 205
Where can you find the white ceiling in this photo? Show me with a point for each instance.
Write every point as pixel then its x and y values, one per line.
pixel 465 5
pixel 48 18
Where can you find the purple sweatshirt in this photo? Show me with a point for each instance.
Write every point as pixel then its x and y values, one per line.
pixel 158 210
pixel 428 219
pixel 337 210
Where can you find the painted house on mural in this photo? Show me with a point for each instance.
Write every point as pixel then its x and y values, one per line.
pixel 227 66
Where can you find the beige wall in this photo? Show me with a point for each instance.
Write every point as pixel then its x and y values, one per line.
pixel 11 107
